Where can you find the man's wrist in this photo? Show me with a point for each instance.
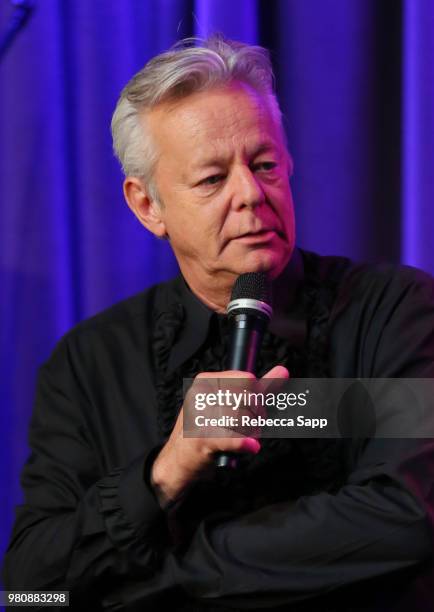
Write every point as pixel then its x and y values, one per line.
pixel 166 498
pixel 149 478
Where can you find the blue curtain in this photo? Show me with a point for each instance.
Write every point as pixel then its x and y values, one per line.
pixel 356 83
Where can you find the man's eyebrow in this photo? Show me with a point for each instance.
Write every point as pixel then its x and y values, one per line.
pixel 265 147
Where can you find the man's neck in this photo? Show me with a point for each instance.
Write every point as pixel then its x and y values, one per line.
pixel 214 293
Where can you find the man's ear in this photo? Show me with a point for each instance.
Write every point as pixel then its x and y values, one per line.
pixel 147 210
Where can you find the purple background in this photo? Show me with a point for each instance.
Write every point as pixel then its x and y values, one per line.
pixel 356 83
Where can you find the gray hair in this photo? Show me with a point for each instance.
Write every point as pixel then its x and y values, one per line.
pixel 190 66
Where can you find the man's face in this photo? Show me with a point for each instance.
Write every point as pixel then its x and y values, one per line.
pixel 223 179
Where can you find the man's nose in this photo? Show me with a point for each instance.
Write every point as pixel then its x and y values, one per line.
pixel 247 190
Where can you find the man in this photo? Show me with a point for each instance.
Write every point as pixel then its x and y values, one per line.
pixel 122 509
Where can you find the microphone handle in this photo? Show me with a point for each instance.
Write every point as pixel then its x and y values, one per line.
pixel 246 335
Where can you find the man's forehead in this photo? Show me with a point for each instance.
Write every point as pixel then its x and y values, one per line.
pixel 237 106
pixel 211 126
pixel 214 154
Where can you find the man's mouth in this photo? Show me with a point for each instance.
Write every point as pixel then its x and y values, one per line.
pixel 262 235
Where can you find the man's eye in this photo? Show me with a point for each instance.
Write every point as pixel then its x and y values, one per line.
pixel 265 166
pixel 212 180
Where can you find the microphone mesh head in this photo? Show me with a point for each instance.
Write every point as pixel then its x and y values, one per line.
pixel 253 286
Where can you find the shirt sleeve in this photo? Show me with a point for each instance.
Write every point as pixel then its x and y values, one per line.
pixel 78 525
pixel 378 524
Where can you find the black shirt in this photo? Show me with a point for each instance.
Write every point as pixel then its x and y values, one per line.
pixel 309 525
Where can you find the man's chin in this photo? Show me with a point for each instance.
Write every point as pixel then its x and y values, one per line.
pixel 264 261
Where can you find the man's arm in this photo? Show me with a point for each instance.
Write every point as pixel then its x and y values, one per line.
pixel 83 527
pixel 296 550
pixel 78 523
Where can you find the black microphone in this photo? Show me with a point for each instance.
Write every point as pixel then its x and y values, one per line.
pixel 249 312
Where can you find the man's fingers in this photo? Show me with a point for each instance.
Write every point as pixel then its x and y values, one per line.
pixel 277 372
pixel 247 445
pixel 237 444
pixel 250 445
pixel 226 374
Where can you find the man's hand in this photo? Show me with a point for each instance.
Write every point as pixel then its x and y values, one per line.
pixel 183 460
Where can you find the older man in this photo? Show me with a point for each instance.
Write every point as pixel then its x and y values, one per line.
pixel 122 509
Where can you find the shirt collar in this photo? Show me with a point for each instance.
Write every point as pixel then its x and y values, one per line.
pixel 288 319
pixel 195 326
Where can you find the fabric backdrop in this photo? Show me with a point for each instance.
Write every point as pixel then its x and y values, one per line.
pixel 356 83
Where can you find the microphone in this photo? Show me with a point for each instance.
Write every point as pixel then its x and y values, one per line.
pixel 249 312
